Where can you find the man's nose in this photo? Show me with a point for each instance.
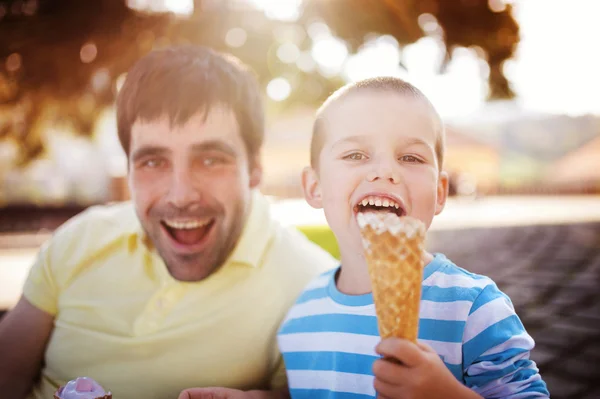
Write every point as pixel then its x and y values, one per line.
pixel 183 192
pixel 384 169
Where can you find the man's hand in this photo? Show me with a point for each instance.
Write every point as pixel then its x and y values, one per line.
pixel 213 393
pixel 226 393
pixel 414 371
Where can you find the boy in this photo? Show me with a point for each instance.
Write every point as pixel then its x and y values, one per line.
pixel 378 145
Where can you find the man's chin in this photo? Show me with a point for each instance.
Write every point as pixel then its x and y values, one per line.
pixel 189 270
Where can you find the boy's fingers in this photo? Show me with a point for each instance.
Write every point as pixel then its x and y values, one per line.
pixel 425 347
pixel 405 351
pixel 385 390
pixel 389 372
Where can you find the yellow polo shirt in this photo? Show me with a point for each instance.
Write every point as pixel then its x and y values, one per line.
pixel 121 318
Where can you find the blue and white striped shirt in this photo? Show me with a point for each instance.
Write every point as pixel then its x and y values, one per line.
pixel 328 338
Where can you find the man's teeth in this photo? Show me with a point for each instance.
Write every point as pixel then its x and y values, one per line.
pixel 377 201
pixel 186 225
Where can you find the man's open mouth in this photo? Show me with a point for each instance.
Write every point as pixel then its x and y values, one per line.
pixel 188 232
pixel 375 203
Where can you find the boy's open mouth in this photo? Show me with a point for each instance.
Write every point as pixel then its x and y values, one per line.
pixel 376 203
pixel 188 232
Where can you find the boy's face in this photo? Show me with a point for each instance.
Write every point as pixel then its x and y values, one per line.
pixel 378 154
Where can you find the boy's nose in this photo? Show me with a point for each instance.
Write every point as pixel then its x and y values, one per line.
pixel 384 171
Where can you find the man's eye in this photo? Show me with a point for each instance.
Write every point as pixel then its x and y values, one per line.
pixel 212 161
pixel 355 156
pixel 153 163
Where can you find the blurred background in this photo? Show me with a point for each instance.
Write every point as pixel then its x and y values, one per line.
pixel 516 82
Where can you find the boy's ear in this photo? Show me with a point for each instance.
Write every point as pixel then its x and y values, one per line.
pixel 442 192
pixel 312 188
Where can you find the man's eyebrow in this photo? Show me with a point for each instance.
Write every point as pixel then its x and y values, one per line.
pixel 148 150
pixel 214 145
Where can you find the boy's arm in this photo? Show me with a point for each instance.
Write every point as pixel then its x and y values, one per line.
pixel 496 350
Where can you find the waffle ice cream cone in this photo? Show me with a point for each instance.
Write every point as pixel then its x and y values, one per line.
pixel 394 252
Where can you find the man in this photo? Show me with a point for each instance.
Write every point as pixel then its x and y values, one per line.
pixel 187 285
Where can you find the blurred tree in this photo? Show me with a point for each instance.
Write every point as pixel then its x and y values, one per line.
pixel 61 60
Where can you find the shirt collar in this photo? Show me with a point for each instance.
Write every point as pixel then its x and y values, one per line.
pixel 256 234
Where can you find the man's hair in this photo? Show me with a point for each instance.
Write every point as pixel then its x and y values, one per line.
pixel 379 84
pixel 181 81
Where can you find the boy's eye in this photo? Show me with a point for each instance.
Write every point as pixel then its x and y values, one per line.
pixel 355 156
pixel 410 159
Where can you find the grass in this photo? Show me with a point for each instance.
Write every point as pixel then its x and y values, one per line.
pixel 322 236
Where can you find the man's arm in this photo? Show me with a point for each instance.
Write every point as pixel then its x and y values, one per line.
pixel 24 334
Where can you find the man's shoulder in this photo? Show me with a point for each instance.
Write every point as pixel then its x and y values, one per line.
pixel 97 225
pixel 292 261
pixel 293 247
pixel 79 240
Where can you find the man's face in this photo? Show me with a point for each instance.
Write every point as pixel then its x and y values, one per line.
pixel 191 187
pixel 378 155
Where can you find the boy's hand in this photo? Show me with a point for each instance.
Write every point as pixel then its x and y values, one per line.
pixel 414 371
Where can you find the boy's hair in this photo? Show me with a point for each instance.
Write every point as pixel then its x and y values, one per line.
pixel 181 81
pixel 382 84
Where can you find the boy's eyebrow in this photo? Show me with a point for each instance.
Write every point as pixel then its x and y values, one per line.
pixel 357 139
pixel 417 140
pixel 361 139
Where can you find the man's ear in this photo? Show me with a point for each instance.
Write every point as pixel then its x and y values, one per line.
pixel 256 171
pixel 312 188
pixel 442 192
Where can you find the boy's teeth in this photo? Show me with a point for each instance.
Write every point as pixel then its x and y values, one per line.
pixel 187 225
pixel 386 202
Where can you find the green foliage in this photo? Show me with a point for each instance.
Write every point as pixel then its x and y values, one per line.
pixel 60 59
pixel 323 236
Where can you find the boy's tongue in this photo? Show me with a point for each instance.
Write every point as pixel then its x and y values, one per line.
pixel 189 236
